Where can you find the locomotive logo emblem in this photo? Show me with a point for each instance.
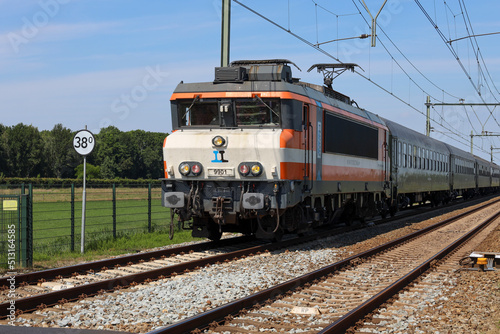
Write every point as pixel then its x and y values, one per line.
pixel 221 154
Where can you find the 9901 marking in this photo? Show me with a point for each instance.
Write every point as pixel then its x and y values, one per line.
pixel 220 171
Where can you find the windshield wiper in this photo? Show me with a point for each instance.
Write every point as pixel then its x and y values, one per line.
pixel 197 97
pixel 264 103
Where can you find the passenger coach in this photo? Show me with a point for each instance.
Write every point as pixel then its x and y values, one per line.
pixel 259 152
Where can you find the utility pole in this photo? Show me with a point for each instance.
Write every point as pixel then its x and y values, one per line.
pixel 226 27
pixel 374 21
pixel 493 148
pixel 483 134
pixel 428 121
pixel 472 135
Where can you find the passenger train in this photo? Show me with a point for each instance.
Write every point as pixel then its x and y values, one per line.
pixel 259 152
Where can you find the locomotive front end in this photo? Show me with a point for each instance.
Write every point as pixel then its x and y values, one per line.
pixel 222 162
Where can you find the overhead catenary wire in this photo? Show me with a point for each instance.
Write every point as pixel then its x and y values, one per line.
pixel 289 31
pixel 474 45
pixel 455 54
pixel 472 37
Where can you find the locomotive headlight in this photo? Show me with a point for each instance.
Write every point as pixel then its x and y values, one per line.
pixel 218 141
pixel 250 169
pixel 184 168
pixel 256 170
pixel 190 168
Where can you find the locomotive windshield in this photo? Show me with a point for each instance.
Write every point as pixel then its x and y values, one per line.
pixel 228 113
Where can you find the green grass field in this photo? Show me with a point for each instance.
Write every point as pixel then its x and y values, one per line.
pixel 52 224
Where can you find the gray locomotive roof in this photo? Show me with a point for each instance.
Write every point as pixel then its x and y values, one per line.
pixel 414 137
pixel 460 153
pixel 276 86
pixel 483 162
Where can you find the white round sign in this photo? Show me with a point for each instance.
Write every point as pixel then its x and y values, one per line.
pixel 83 142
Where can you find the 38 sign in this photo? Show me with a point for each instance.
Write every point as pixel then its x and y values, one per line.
pixel 83 142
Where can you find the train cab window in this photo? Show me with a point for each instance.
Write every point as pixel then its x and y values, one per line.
pixel 228 113
pixel 197 112
pixel 258 112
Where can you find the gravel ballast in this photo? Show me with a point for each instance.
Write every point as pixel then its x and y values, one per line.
pixel 149 306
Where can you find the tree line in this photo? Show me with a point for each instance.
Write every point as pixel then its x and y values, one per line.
pixel 27 152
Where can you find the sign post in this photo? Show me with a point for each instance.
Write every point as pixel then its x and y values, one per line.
pixel 84 143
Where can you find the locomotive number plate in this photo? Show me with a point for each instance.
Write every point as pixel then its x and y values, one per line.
pixel 220 171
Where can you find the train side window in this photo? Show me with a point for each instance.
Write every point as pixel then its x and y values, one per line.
pixel 399 154
pixel 419 163
pixel 426 161
pixel 415 158
pixel 405 157
pixel 423 158
pixel 305 115
pixel 410 158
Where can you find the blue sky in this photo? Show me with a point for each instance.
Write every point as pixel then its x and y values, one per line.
pixel 116 62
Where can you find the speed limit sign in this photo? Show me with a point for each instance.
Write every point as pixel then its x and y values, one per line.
pixel 83 142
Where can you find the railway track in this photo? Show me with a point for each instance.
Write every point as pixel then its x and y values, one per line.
pixel 403 312
pixel 70 276
pixel 129 278
pixel 47 288
pixel 334 298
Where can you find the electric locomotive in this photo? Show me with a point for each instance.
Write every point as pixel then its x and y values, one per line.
pixel 259 152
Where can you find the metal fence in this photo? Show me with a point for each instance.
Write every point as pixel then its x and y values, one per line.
pixel 111 211
pixel 16 238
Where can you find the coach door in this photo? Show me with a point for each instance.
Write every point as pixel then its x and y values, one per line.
pixel 385 150
pixel 308 147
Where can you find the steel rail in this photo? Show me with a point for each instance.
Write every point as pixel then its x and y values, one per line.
pixel 68 271
pixel 135 258
pixel 216 315
pixel 350 319
pixel 32 303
